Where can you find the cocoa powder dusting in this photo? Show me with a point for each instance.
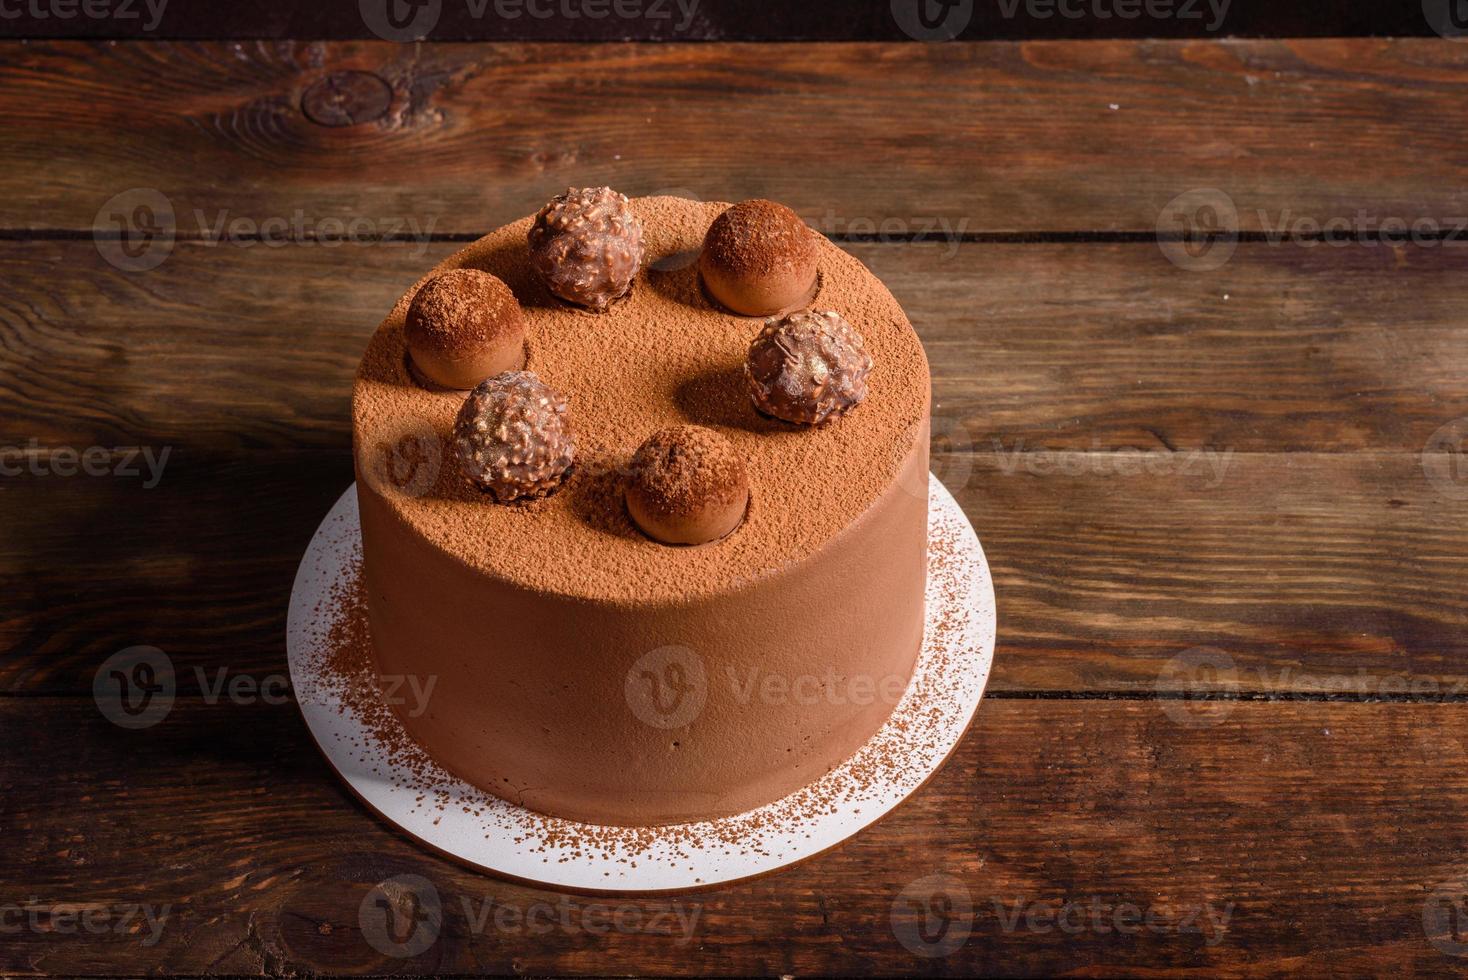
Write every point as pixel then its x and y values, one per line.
pixel 681 470
pixel 665 356
pixel 463 310
pixel 340 672
pixel 760 238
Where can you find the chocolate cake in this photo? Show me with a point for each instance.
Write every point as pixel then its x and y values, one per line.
pixel 669 565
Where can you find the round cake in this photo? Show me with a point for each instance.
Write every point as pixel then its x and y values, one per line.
pixel 575 664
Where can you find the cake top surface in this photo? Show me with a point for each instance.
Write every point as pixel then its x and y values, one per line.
pixel 664 356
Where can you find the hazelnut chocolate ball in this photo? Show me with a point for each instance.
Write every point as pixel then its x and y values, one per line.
pixel 807 367
pixel 688 486
pixel 514 438
pixel 464 326
pixel 587 246
pixel 760 259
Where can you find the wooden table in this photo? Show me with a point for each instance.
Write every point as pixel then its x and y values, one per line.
pixel 1228 724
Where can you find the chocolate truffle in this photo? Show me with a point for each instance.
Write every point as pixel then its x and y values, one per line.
pixel 587 246
pixel 808 367
pixel 760 259
pixel 513 437
pixel 688 486
pixel 464 326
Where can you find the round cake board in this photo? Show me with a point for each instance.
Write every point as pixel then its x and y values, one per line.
pixel 453 818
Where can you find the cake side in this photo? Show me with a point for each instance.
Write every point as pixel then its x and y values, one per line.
pixel 670 713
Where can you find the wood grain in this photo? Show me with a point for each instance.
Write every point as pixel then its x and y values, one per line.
pixel 1032 137
pixel 1319 831
pixel 1124 439
pixel 1034 347
pixel 1315 574
pixel 1216 541
pixel 720 20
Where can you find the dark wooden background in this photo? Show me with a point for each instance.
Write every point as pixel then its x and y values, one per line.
pixel 1010 194
pixel 730 20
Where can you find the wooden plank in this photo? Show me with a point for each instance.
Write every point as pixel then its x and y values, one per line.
pixel 1032 137
pixel 200 566
pixel 1311 837
pixel 1328 575
pixel 1034 347
pixel 219 348
pixel 1100 347
pixel 1314 572
pixel 1307 573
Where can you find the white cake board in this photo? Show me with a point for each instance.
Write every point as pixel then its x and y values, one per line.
pixel 453 818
